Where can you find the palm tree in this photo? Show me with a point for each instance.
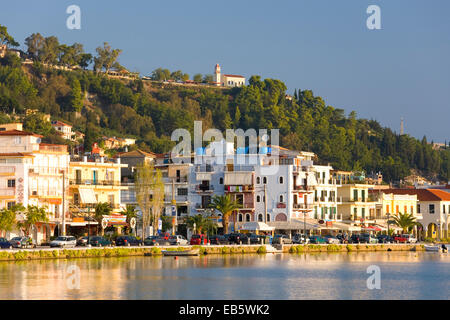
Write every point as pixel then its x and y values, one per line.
pixel 102 209
pixel 201 223
pixel 130 212
pixel 406 221
pixel 225 205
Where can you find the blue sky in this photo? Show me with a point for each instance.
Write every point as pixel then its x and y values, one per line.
pixel 402 70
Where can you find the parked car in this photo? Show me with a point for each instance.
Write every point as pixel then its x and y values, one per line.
pixel 317 240
pixel 22 242
pixel 63 242
pixel 332 240
pixel 156 241
pixel 254 238
pixel 5 244
pixel 198 239
pixel 82 241
pixel 384 238
pixel 97 241
pixel 281 239
pixel 178 240
pixel 218 239
pixel 165 235
pixel 343 238
pixel 128 241
pixel 355 238
pixel 299 239
pixel 368 238
pixel 238 238
pixel 405 238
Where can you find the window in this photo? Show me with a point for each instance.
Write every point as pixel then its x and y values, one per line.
pixel 247 217
pixel 443 209
pixel 363 212
pixel 268 217
pixel 12 183
pixel 355 213
pixel 431 208
pixel 240 217
pixel 260 217
pixel 258 180
pixel 281 198
pixel 17 140
pixel 281 180
pixel 418 208
pixel 258 198
pixel 221 181
pixel 182 191
pixel 265 180
pixel 355 195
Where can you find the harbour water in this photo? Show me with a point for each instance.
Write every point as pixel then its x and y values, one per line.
pixel 404 275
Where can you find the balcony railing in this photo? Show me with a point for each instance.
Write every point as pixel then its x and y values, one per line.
pixel 7 192
pixel 53 192
pixel 302 206
pixel 7 170
pixel 45 171
pixel 203 188
pixel 204 169
pixel 51 148
pixel 239 188
pixel 95 182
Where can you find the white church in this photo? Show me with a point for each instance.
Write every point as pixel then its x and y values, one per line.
pixel 227 80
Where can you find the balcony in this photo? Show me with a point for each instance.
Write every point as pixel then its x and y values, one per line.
pixel 42 193
pixel 8 192
pixel 236 189
pixel 204 169
pixel 281 205
pixel 302 206
pixel 95 182
pixel 53 148
pixel 46 171
pixel 204 188
pixel 7 171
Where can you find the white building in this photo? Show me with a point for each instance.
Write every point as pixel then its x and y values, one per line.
pixel 31 173
pixel 227 80
pixel 64 129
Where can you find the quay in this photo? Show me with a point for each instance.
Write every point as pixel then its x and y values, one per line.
pixel 78 252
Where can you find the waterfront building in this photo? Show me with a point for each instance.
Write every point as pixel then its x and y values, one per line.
pixel 358 207
pixel 93 181
pixel 434 208
pixel 33 173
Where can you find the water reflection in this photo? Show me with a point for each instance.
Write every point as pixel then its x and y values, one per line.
pixel 405 275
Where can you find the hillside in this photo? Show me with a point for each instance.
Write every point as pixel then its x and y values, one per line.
pixel 150 111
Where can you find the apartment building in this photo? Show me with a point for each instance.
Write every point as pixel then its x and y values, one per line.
pixel 32 173
pixel 93 181
pixel 358 205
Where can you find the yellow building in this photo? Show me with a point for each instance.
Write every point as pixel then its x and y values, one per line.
pixel 99 178
pixel 356 205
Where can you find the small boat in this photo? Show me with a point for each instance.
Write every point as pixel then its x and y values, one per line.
pixel 436 248
pixel 192 252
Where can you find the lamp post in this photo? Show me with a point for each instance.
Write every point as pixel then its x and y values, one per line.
pixel 388 217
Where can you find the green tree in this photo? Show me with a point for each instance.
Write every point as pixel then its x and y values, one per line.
pixel 198 77
pixel 8 219
pixel 406 221
pixel 149 189
pixel 6 38
pixel 166 223
pixel 76 97
pixel 35 43
pixel 225 205
pixel 33 216
pixel 106 57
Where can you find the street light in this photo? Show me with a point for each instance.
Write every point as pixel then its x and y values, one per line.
pixel 388 217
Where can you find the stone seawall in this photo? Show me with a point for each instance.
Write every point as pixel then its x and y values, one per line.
pixel 36 254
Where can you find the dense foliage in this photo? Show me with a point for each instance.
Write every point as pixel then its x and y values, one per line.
pixel 150 111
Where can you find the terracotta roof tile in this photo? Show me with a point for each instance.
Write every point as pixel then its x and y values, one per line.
pixel 422 194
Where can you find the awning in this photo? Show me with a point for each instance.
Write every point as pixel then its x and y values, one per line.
pixel 238 178
pixel 345 226
pixel 256 226
pixel 293 225
pixel 87 196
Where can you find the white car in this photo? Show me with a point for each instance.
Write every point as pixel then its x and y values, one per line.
pixel 178 240
pixel 64 242
pixel 411 239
